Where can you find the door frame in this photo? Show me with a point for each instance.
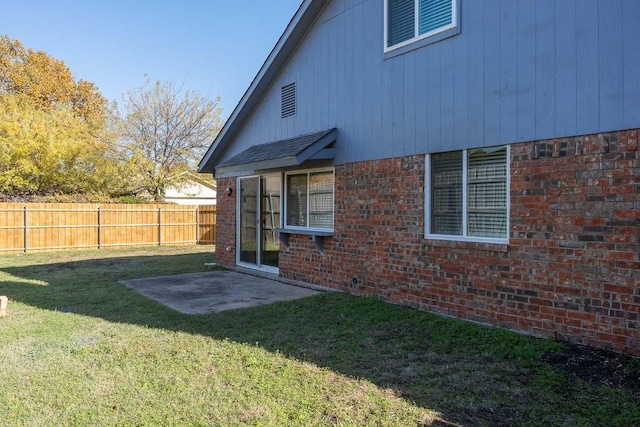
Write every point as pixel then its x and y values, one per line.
pixel 259 229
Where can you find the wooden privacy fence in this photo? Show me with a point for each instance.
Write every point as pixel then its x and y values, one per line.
pixel 54 226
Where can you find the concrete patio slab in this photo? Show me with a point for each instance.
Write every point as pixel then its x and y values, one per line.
pixel 215 291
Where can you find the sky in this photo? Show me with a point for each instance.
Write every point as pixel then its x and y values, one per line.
pixel 212 47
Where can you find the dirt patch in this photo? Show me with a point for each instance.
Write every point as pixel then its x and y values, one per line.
pixel 597 366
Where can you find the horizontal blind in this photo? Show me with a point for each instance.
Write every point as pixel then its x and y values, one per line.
pixel 435 14
pixel 321 200
pixel 487 192
pixel 401 24
pixel 446 199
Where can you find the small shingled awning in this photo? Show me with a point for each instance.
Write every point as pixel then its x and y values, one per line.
pixel 284 153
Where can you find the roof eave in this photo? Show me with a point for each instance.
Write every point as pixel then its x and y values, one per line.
pixel 298 27
pixel 318 150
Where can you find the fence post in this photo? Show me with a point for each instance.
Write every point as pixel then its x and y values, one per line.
pixel 26 227
pixel 99 227
pixel 159 226
pixel 197 225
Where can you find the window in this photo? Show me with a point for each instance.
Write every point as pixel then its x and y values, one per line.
pixel 468 197
pixel 309 200
pixel 407 21
pixel 288 100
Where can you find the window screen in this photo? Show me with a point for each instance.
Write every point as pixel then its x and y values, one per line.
pixel 310 199
pixel 446 179
pixel 487 199
pixel 321 199
pixel 469 193
pixel 297 200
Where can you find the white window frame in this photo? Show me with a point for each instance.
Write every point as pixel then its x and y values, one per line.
pixel 465 208
pixel 416 26
pixel 285 216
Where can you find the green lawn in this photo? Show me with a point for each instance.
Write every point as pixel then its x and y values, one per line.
pixel 77 348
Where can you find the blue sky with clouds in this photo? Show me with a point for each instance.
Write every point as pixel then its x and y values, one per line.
pixel 212 47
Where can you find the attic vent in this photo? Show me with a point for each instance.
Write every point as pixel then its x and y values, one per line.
pixel 288 107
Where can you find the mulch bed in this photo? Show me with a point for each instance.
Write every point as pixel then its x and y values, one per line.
pixel 597 366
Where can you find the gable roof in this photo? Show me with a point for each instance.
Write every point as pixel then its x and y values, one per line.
pixel 279 154
pixel 301 22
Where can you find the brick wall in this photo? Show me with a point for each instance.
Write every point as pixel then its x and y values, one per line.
pixel 571 268
pixel 226 223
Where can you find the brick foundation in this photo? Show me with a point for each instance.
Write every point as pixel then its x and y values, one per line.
pixel 571 268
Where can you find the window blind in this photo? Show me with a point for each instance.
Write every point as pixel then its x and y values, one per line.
pixel 401 21
pixel 435 14
pixel 487 192
pixel 309 199
pixel 297 200
pixel 446 202
pixel 321 200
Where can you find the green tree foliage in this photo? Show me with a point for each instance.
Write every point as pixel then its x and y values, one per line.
pixel 53 130
pixel 165 133
pixel 48 152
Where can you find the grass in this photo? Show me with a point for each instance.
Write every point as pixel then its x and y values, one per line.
pixel 77 348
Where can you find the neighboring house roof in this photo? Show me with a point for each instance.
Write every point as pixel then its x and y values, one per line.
pixel 279 154
pixel 194 191
pixel 301 22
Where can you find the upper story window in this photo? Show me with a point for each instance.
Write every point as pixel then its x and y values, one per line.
pixel 467 195
pixel 408 21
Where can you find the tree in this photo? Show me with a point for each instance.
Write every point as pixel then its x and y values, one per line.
pixel 49 152
pixel 52 127
pixel 47 83
pixel 165 133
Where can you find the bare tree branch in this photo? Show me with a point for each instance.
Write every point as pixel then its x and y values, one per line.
pixel 167 132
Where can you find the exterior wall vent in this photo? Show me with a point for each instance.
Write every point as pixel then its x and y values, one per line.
pixel 288 106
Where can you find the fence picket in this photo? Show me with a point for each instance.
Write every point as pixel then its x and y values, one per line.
pixel 77 226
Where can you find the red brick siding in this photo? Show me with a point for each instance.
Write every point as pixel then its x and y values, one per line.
pixel 226 223
pixel 571 267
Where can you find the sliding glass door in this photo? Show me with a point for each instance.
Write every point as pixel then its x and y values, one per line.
pixel 259 208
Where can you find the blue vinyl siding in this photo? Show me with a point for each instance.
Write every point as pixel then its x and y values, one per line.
pixel 587 68
pixel 610 48
pixel 566 70
pixel 545 66
pixel 631 82
pixel 519 70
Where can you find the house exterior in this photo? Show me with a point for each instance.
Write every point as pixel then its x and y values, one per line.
pixel 194 191
pixel 476 159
